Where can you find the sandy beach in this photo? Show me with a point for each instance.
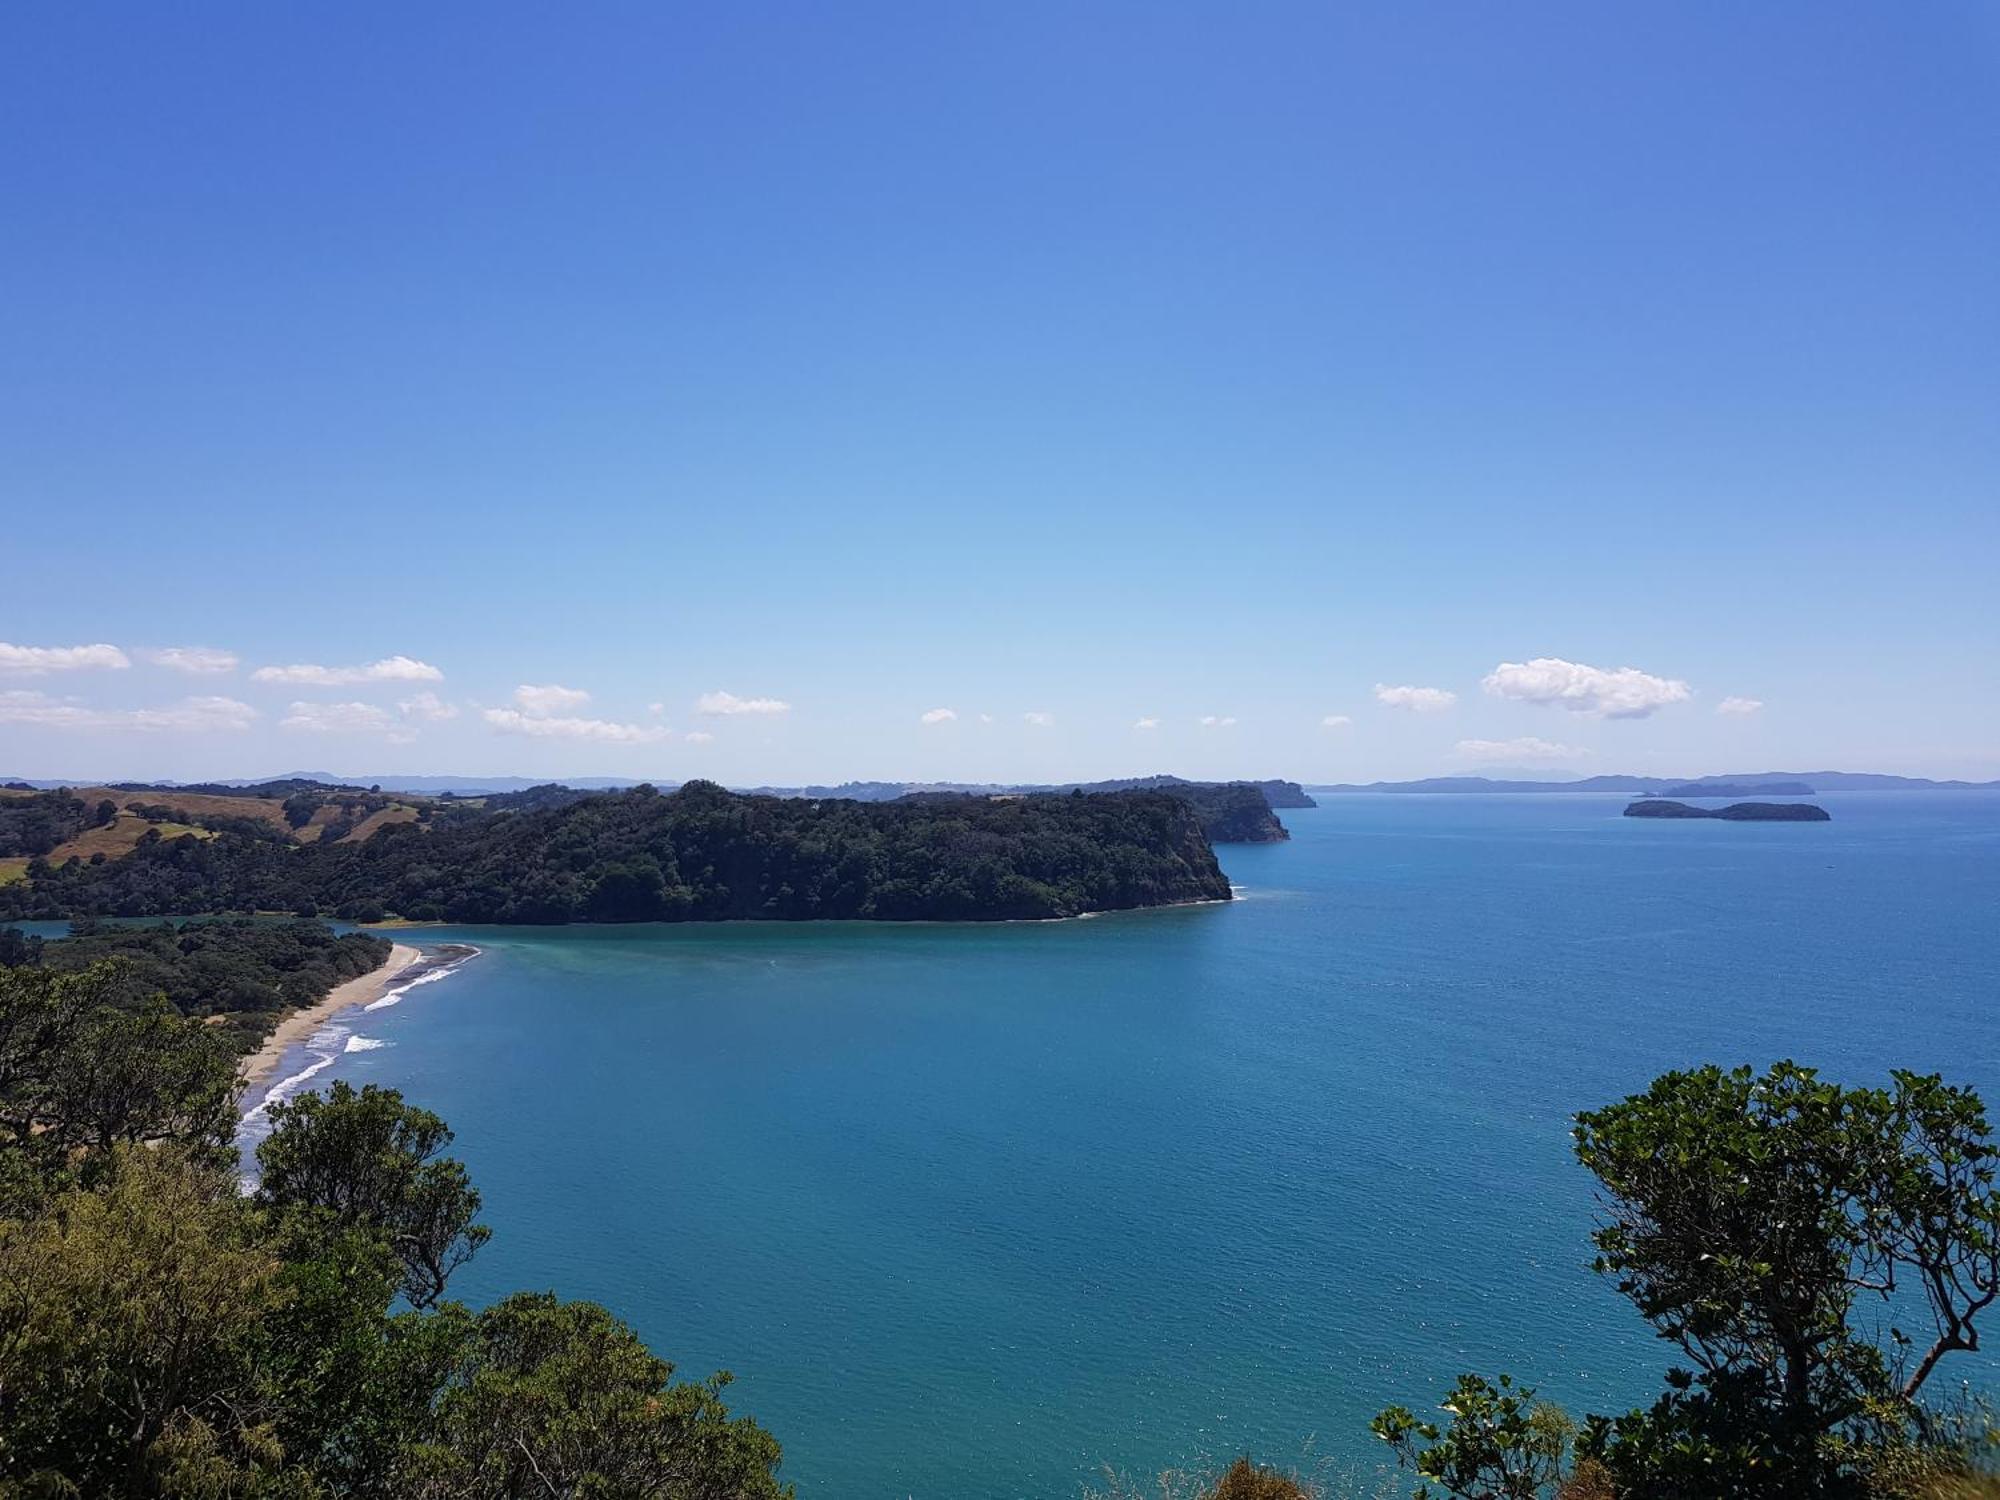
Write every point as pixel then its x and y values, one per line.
pixel 300 1024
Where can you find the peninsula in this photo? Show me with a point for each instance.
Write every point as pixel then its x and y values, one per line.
pixel 696 854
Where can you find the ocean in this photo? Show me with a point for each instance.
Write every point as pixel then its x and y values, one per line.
pixel 981 1212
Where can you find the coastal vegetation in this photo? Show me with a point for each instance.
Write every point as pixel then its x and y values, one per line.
pixel 1814 1254
pixel 238 976
pixel 163 1334
pixel 696 854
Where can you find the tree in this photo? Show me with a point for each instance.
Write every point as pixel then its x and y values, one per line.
pixel 79 1075
pixel 368 1160
pixel 131 1361
pixel 1501 1443
pixel 561 1399
pixel 1746 1216
pixel 1752 1220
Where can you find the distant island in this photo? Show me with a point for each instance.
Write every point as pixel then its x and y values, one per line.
pixel 1738 789
pixel 1736 812
pixel 1766 783
pixel 696 854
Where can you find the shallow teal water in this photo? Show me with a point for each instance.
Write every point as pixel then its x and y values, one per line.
pixel 974 1211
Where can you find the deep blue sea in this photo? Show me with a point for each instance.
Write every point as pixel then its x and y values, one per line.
pixel 976 1211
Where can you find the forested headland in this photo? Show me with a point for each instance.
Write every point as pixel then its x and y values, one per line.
pixel 238 976
pixel 697 854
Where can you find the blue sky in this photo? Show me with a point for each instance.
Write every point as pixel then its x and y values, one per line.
pixel 1100 363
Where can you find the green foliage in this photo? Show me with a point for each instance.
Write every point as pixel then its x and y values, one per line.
pixel 164 1336
pixel 132 1356
pixel 80 1075
pixel 1501 1443
pixel 369 1161
pixel 561 1398
pixel 244 974
pixel 36 824
pixel 1768 1226
pixel 1747 1216
pixel 699 854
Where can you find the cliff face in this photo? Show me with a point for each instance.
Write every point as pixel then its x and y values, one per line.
pixel 1234 813
pixel 1737 812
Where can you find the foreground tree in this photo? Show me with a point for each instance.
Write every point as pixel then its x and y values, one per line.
pixel 560 1398
pixel 164 1336
pixel 366 1160
pixel 132 1352
pixel 1752 1220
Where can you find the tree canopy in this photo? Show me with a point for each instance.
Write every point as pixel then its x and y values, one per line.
pixel 164 1335
pixel 697 854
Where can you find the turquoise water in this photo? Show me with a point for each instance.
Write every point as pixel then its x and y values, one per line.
pixel 974 1211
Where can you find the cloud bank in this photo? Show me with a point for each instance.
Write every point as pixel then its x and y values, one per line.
pixel 336 718
pixel 1623 693
pixel 728 705
pixel 548 699
pixel 1527 750
pixel 388 669
pixel 189 716
pixel 198 661
pixel 1416 700
pixel 513 721
pixel 33 661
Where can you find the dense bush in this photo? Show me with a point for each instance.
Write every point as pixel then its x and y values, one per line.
pixel 698 854
pixel 241 974
pixel 163 1336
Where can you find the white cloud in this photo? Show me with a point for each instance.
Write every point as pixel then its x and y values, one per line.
pixel 545 701
pixel 1525 751
pixel 1335 721
pixel 189 716
pixel 195 660
pixel 657 710
pixel 388 669
pixel 938 716
pixel 337 718
pixel 986 718
pixel 427 707
pixel 33 661
pixel 1217 721
pixel 699 737
pixel 1146 723
pixel 1740 707
pixel 1626 693
pixel 728 705
pixel 1418 700
pixel 1039 720
pixel 513 721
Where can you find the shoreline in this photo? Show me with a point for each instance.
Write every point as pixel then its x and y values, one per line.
pixel 299 1026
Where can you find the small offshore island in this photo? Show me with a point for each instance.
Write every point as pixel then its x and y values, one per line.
pixel 1736 812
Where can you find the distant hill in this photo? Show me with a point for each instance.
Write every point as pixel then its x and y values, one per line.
pixel 1759 781
pixel 1739 789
